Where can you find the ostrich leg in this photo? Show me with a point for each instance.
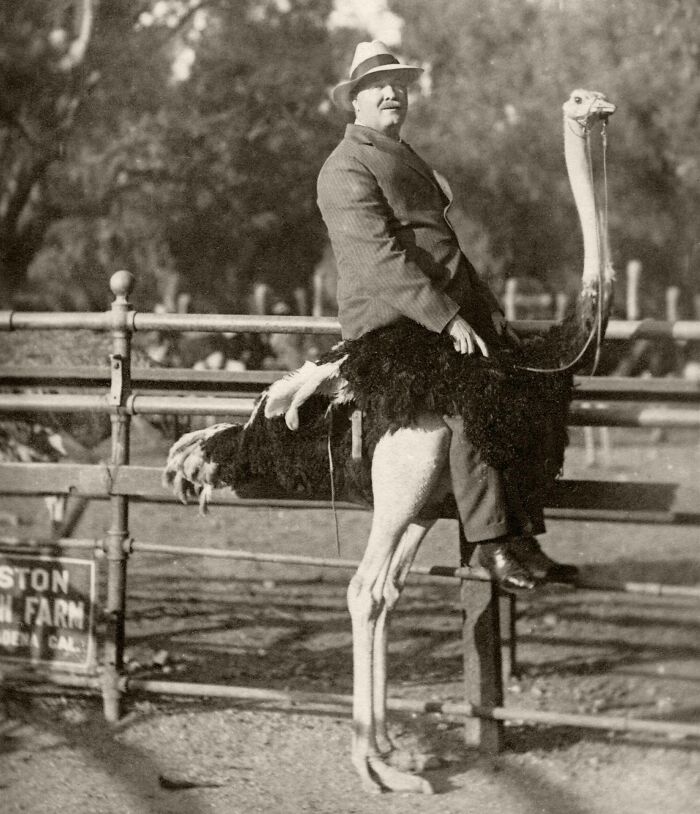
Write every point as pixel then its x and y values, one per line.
pixel 399 569
pixel 406 467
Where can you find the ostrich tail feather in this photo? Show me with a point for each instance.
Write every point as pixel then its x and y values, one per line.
pixel 192 471
pixel 286 396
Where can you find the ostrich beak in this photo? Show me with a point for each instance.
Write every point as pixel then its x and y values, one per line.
pixel 604 108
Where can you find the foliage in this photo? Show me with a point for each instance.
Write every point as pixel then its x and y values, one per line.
pixel 62 127
pixel 206 179
pixel 500 70
pixel 209 179
pixel 38 98
pixel 245 141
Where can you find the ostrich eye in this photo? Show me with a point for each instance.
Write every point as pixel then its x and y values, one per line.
pixel 578 100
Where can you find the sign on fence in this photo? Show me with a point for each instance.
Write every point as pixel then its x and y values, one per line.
pixel 47 608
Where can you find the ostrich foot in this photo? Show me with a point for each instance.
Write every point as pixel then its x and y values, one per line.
pixel 405 760
pixel 377 776
pixel 385 745
pixel 411 761
pixel 394 779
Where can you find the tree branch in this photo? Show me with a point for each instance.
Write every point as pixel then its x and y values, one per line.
pixel 17 190
pixel 85 14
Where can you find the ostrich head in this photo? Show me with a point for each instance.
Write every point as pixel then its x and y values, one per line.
pixel 582 111
pixel 586 107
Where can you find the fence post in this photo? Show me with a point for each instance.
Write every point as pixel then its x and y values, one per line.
pixel 481 643
pixel 634 271
pixel 510 296
pixel 121 283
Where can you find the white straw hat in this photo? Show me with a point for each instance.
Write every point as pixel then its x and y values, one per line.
pixel 371 57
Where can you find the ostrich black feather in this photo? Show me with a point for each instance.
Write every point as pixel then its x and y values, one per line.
pixel 516 417
pixel 267 459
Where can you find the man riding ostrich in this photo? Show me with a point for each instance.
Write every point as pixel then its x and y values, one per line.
pixel 451 400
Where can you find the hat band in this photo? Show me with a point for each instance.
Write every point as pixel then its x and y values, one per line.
pixel 373 62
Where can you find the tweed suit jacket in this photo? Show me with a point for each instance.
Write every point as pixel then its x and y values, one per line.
pixel 396 251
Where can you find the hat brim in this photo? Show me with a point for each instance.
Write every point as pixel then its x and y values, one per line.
pixel 342 91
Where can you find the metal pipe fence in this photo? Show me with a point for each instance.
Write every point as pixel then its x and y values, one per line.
pixel 494 714
pixel 427 573
pixel 581 414
pixel 682 330
pixel 315 700
pixel 609 388
pixel 483 677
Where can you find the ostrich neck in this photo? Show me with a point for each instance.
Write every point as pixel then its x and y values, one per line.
pixel 579 171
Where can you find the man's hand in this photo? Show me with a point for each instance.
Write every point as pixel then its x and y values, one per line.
pixel 464 337
pixel 504 328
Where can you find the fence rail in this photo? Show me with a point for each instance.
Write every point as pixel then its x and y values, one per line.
pixel 682 330
pixel 612 388
pixel 570 499
pixel 584 414
pixel 620 402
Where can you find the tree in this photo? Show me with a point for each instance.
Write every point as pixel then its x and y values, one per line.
pixel 500 70
pixel 206 177
pixel 77 78
pixel 245 142
pixel 42 82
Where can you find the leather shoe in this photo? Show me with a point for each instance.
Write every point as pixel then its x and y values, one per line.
pixel 543 568
pixel 510 574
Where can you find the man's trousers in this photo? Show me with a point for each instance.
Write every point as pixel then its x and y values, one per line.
pixel 490 502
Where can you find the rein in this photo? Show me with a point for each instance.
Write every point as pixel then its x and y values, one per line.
pixel 331 469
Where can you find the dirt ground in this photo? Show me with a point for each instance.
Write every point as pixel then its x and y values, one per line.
pixel 257 625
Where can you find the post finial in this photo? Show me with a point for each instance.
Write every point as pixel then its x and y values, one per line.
pixel 122 283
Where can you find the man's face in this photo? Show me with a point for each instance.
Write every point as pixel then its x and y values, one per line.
pixel 381 102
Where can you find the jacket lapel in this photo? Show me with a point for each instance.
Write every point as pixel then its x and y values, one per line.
pixel 444 186
pixel 399 149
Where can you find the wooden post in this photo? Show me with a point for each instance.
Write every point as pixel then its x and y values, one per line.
pixel 561 304
pixel 324 280
pixel 184 301
pixel 509 299
pixel 673 294
pixel 589 444
pixel 262 298
pixel 512 612
pixel 301 300
pixel 634 271
pixel 605 447
pixel 116 542
pixel 483 669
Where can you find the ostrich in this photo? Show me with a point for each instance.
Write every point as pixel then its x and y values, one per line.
pixel 409 465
